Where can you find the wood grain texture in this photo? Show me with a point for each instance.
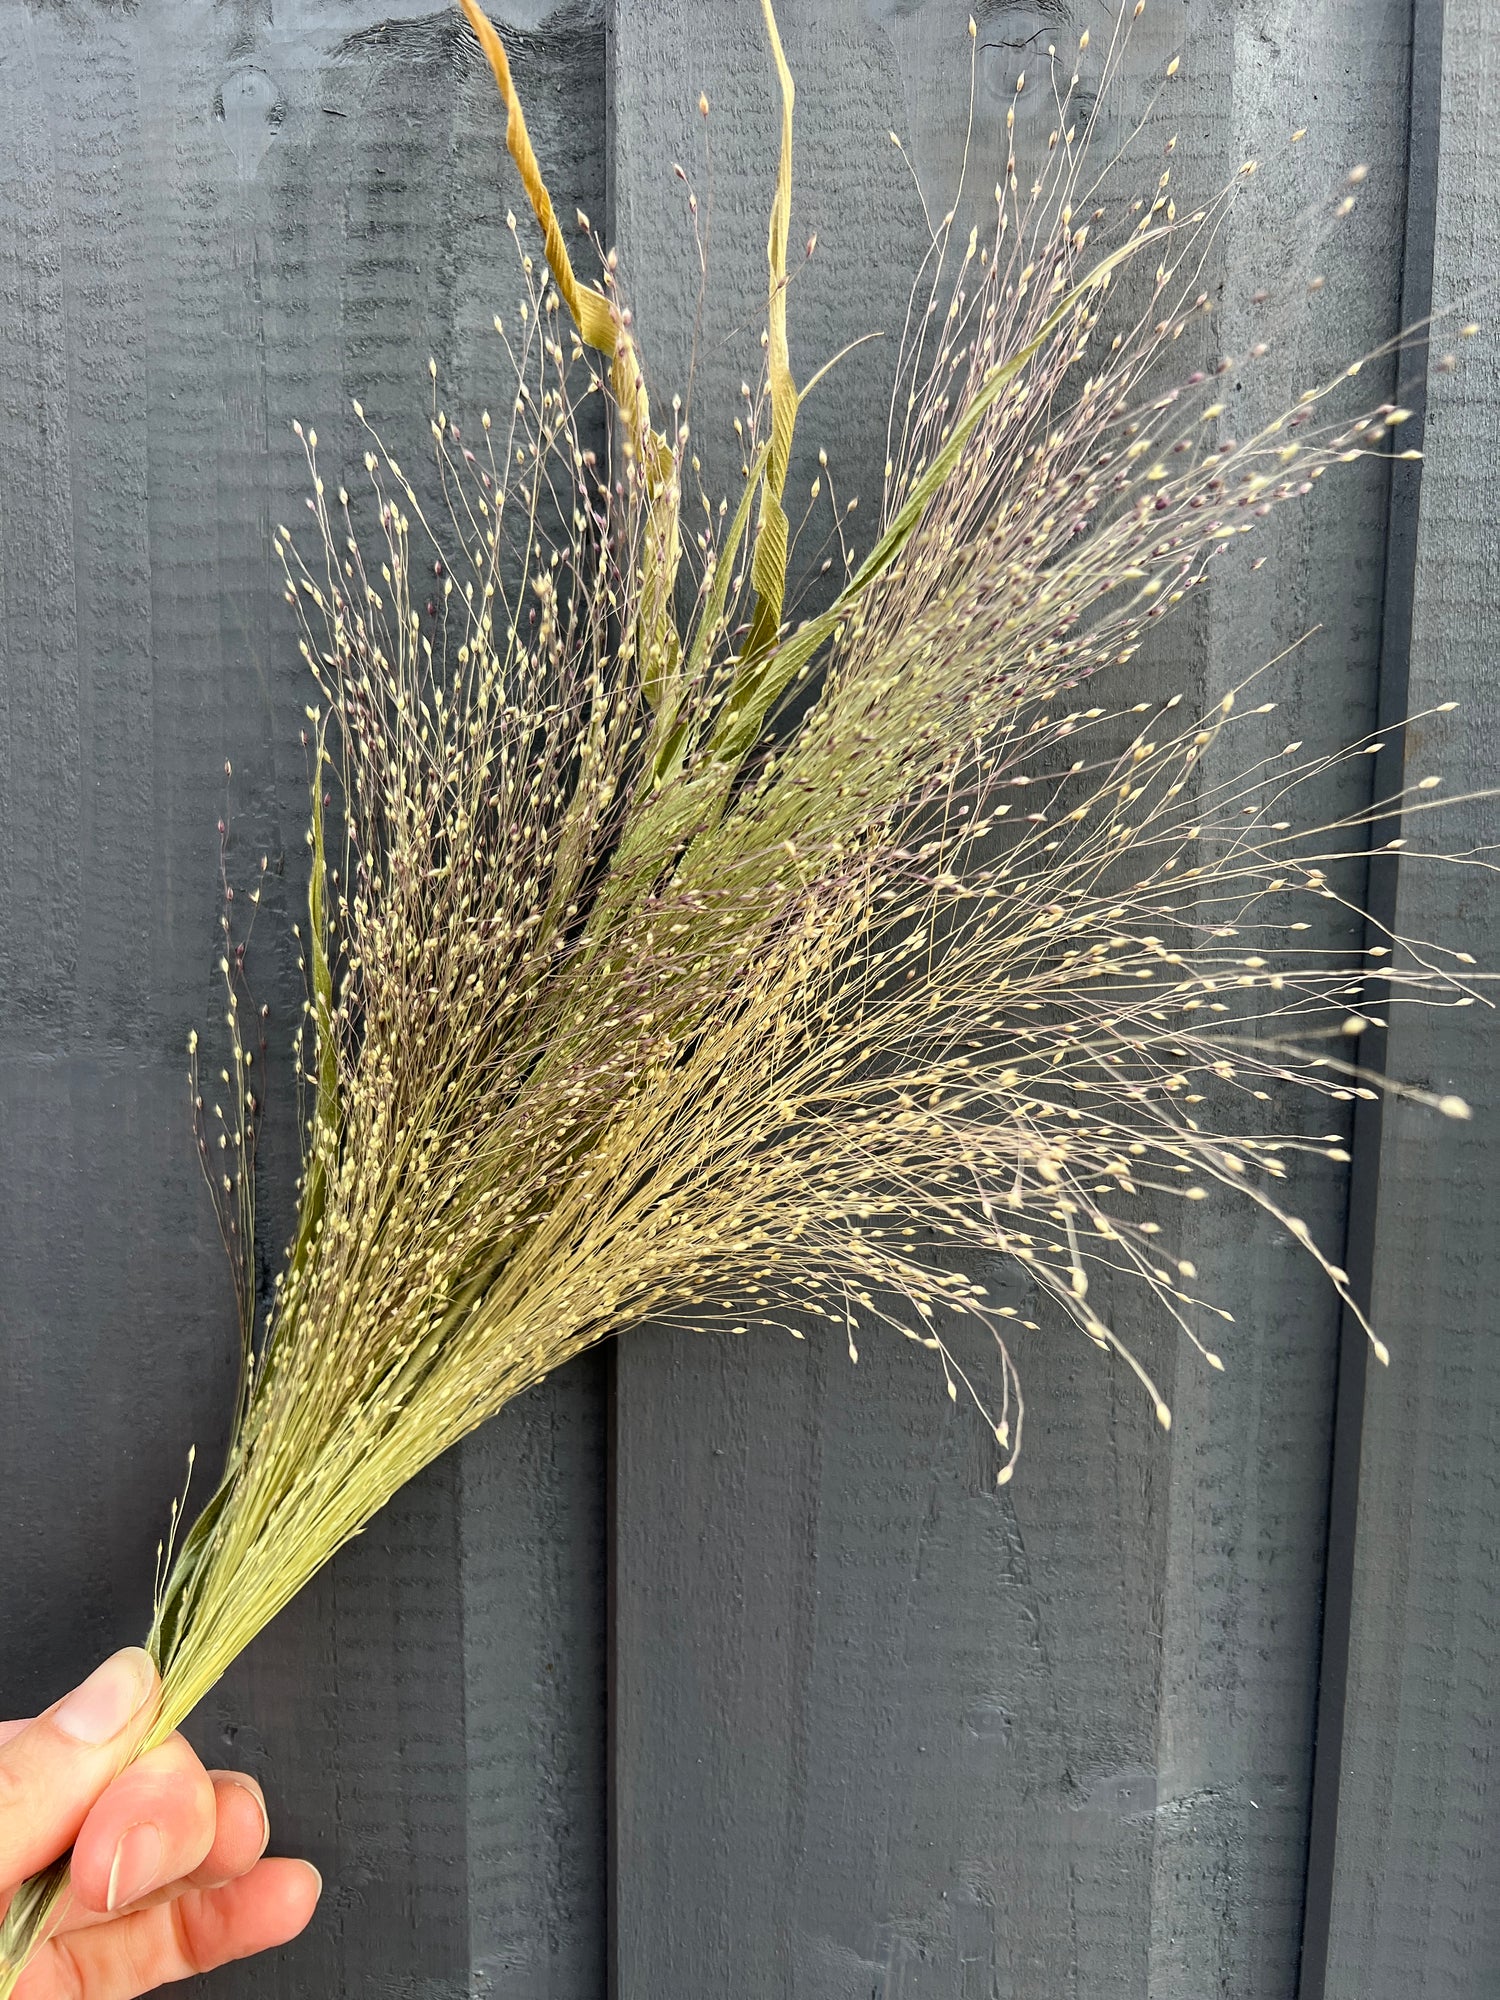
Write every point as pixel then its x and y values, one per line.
pixel 879 1730
pixel 1415 1892
pixel 211 223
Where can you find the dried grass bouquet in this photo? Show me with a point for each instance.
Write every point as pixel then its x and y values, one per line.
pixel 669 955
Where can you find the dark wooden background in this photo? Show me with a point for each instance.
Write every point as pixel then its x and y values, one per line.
pixel 718 1667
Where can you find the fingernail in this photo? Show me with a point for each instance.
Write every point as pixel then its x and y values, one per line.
pixel 315 1875
pixel 112 1694
pixel 134 1868
pixel 260 1807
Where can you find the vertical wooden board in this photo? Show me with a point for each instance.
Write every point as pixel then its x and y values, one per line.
pixel 533 1544
pixel 1249 1468
pixel 879 1729
pixel 209 227
pixel 1415 1894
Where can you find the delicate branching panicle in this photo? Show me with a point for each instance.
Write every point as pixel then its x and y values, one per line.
pixel 665 955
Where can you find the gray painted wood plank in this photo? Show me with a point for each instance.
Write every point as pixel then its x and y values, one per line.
pixel 210 224
pixel 880 1730
pixel 1415 1891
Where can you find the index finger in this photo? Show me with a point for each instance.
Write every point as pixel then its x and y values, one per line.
pixel 52 1769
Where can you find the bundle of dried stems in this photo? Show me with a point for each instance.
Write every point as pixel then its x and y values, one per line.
pixel 665 956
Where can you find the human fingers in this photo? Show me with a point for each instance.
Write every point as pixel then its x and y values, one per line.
pixel 176 1939
pixel 241 1831
pixel 53 1768
pixel 153 1825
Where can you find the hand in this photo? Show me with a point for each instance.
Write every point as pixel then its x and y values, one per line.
pixel 168 1878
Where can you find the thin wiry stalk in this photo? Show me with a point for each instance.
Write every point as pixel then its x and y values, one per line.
pixel 778 969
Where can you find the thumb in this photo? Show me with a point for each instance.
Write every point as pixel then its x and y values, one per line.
pixel 53 1769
